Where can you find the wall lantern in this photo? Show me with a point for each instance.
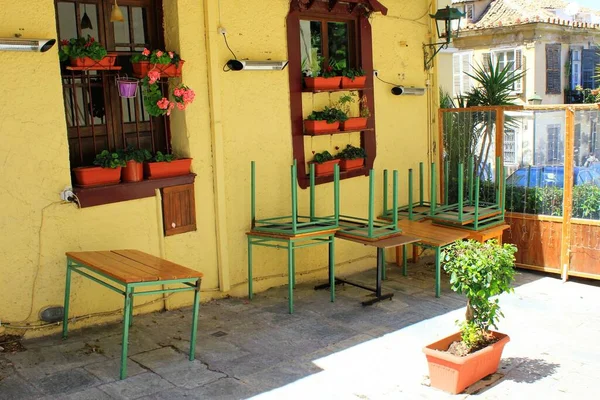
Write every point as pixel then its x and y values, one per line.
pixel 447 22
pixel 36 45
pixel 535 100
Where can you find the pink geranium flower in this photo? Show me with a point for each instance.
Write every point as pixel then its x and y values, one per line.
pixel 146 52
pixel 153 76
pixel 171 54
pixel 159 53
pixel 163 103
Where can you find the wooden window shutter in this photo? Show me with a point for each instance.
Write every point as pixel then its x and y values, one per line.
pixel 553 63
pixel 587 68
pixel 179 209
pixel 519 68
pixel 466 69
pixel 456 73
pixel 487 60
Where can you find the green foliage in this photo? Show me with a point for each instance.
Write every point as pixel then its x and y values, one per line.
pixel 107 159
pixel 133 154
pixel 495 85
pixel 352 73
pixel 160 157
pixel 471 335
pixel 322 157
pixel 81 47
pixel 351 153
pixel 590 96
pixel 157 57
pixel 480 271
pixel 329 114
pixel 152 94
pixel 345 102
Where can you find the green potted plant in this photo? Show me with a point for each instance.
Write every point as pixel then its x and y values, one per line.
pixel 320 75
pixel 326 121
pixel 134 163
pixel 354 123
pixel 86 52
pixel 107 170
pixel 324 163
pixel 479 271
pixel 167 63
pixel 353 78
pixel 164 165
pixel 351 157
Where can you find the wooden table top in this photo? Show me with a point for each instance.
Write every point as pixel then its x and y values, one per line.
pixel 430 234
pixel 383 243
pixel 132 266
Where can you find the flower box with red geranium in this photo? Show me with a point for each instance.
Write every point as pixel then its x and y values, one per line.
pixel 321 76
pixel 167 63
pixel 86 52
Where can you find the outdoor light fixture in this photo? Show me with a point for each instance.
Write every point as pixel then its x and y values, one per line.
pixel 401 91
pixel 15 44
pixel 446 30
pixel 238 65
pixel 535 100
pixel 116 15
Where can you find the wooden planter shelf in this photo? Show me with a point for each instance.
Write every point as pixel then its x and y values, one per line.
pixel 339 132
pixel 307 90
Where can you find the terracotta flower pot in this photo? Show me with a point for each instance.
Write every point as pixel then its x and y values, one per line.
pixel 157 170
pixel 320 83
pixel 141 69
pixel 454 374
pixel 133 172
pixel 320 127
pixel 325 168
pixel 96 176
pixel 354 124
pixel 359 82
pixel 107 61
pixel 346 165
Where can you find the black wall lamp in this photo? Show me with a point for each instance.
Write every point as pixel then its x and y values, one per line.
pixel 444 21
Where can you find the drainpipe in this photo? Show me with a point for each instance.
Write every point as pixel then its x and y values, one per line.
pixel 214 67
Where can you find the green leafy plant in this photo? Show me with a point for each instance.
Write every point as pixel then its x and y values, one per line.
pixel 157 57
pixel 322 157
pixel 312 67
pixel 81 47
pixel 352 73
pixel 329 114
pixel 352 153
pixel 160 157
pixel 107 159
pixel 345 102
pixel 133 154
pixel 480 271
pixel 365 112
pixel 589 95
pixel 152 95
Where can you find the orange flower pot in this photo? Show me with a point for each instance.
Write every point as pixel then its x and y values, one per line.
pixel 346 165
pixel 354 124
pixel 107 61
pixel 320 127
pixel 163 169
pixel 96 176
pixel 359 82
pixel 325 168
pixel 133 172
pixel 141 69
pixel 454 374
pixel 320 83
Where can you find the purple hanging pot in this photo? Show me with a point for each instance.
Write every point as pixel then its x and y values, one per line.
pixel 127 87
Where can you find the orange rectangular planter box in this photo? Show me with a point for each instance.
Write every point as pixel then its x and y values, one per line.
pixel 346 165
pixel 325 168
pixel 141 69
pixel 133 172
pixel 454 374
pixel 163 169
pixel 358 83
pixel 320 83
pixel 96 176
pixel 107 61
pixel 320 127
pixel 354 124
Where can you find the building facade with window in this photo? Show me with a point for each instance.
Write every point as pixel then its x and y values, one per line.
pixel 54 119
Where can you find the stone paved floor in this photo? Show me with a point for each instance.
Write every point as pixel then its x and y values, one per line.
pixel 325 350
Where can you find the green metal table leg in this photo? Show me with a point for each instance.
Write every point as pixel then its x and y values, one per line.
pixel 195 321
pixel 66 305
pixel 290 275
pixel 437 271
pixel 131 309
pixel 125 344
pixel 293 267
pixel 404 261
pixel 250 294
pixel 383 269
pixel 332 268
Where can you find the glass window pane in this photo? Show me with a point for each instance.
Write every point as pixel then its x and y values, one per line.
pixel 139 25
pixel 121 29
pixel 310 46
pixel 339 56
pixel 67 26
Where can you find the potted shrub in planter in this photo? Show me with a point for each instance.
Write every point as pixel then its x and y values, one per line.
pixel 325 121
pixel 351 157
pixel 480 271
pixel 324 163
pixel 166 165
pixel 353 78
pixel 319 75
pixel 106 172
pixel 86 52
pixel 354 123
pixel 167 63
pixel 134 163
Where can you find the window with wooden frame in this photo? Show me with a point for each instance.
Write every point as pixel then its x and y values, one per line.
pixel 97 118
pixel 337 33
pixel 553 66
pixel 512 58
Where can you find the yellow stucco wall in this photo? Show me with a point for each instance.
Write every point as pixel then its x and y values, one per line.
pixel 237 117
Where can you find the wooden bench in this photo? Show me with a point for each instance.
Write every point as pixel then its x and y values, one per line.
pixel 124 272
